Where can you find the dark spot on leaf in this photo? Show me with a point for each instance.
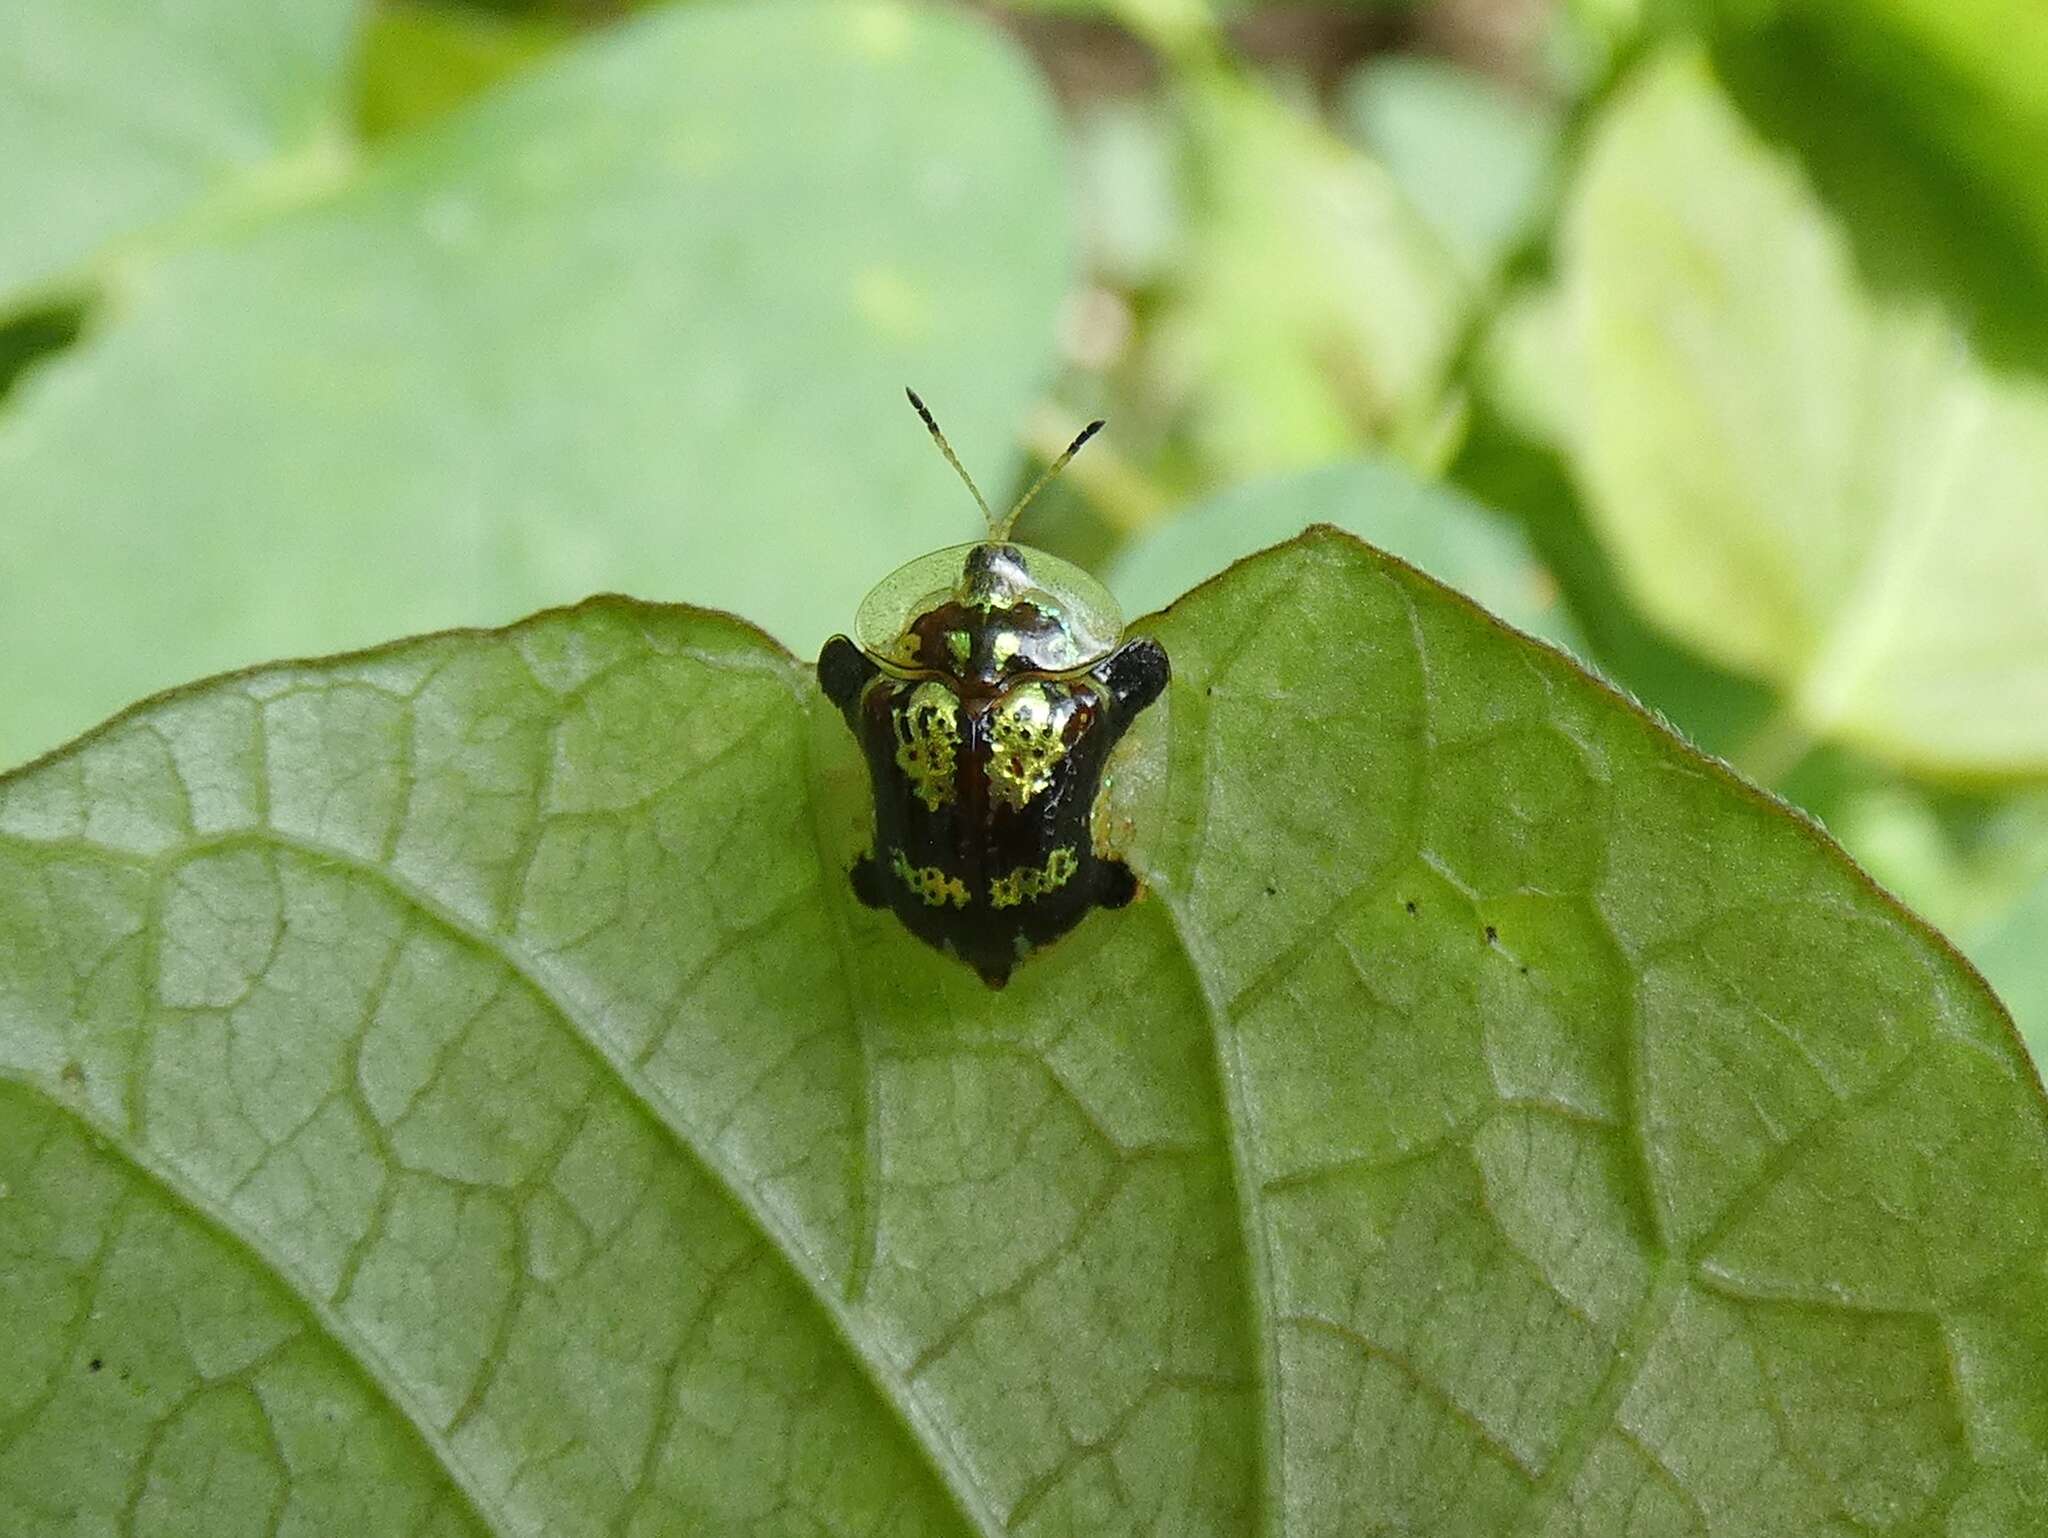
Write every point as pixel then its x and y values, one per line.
pixel 1492 935
pixel 94 1365
pixel 1271 889
pixel 29 338
pixel 1410 905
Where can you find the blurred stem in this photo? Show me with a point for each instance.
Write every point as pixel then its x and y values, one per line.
pixel 1779 745
pixel 1183 31
pixel 1129 500
pixel 1534 252
pixel 318 169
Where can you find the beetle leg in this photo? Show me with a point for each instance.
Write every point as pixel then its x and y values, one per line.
pixel 1135 674
pixel 866 877
pixel 1117 886
pixel 843 671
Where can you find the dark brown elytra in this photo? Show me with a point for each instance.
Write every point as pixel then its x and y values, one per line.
pixel 985 746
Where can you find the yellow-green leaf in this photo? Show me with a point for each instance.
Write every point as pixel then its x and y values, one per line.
pixel 1814 488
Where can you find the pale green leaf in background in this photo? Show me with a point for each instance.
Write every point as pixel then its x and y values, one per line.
pixel 1472 157
pixel 1810 487
pixel 1430 526
pixel 1530 366
pixel 1925 125
pixel 115 117
pixel 1318 307
pixel 639 318
pixel 1985 883
pixel 1515 459
pixel 451 1091
pixel 2015 961
pixel 1128 186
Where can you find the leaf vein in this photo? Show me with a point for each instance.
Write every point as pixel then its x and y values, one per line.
pixel 890 1387
pixel 1258 1276
pixel 178 1192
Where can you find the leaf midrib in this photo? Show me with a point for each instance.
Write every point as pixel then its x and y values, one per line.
pixel 1671 1272
pixel 944 1462
pixel 817 1284
pixel 1225 1054
pixel 179 1192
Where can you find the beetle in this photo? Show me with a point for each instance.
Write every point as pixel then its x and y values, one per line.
pixel 986 685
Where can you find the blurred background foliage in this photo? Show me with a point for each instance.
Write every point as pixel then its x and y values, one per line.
pixel 1707 338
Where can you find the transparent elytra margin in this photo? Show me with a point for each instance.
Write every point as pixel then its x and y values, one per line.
pixel 1089 617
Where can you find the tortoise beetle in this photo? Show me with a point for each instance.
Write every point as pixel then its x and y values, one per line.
pixel 986 685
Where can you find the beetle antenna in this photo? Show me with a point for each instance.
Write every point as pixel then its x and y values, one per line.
pixel 1001 531
pixel 952 459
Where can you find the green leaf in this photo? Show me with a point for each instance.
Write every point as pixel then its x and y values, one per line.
pixel 1472 157
pixel 1528 480
pixel 116 117
pixel 1430 526
pixel 1127 183
pixel 1806 486
pixel 1317 308
pixel 1925 125
pixel 638 318
pixel 422 61
pixel 452 1090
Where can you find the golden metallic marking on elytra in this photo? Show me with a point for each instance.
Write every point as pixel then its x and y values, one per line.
pixel 1029 883
pixel 930 883
pixel 1025 744
pixel 927 735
